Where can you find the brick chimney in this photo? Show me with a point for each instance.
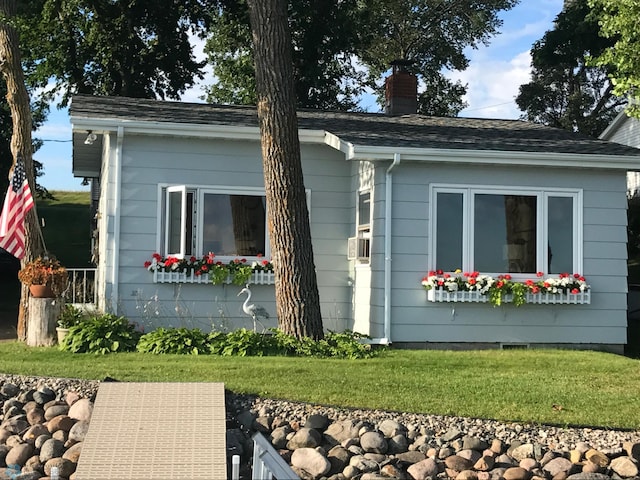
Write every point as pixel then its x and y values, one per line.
pixel 401 90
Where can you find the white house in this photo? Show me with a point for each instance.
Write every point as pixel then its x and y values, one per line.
pixel 625 131
pixel 413 193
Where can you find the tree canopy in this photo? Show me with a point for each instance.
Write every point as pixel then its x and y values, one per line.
pixel 340 47
pixel 618 20
pixel 566 91
pixel 136 48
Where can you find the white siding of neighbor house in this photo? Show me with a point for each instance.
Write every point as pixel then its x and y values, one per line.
pixel 149 161
pixel 415 320
pixel 628 133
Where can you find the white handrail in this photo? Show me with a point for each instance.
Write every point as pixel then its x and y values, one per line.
pixel 267 463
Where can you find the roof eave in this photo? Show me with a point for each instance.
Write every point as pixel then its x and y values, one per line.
pixel 497 157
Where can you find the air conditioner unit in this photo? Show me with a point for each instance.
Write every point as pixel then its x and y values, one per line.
pixel 358 248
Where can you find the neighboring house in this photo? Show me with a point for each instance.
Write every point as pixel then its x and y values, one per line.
pixel 414 193
pixel 625 131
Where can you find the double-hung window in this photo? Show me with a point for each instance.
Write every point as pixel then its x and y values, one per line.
pixel 229 222
pixel 503 230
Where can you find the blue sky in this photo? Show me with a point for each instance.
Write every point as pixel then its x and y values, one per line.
pixel 493 78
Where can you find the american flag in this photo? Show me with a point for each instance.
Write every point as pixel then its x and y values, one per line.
pixel 16 205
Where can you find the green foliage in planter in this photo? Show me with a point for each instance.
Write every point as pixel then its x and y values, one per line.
pixel 174 340
pixel 70 316
pixel 105 333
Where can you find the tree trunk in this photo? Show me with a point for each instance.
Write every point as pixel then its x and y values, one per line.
pixel 43 315
pixel 18 100
pixel 297 298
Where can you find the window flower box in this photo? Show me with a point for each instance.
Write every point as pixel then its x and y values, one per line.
pixel 477 288
pixel 441 295
pixel 256 278
pixel 210 270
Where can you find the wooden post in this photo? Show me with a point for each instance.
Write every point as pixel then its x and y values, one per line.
pixel 43 316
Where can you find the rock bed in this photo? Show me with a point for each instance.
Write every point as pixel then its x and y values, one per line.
pixel 43 422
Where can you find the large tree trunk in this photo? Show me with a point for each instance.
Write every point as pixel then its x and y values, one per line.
pixel 18 100
pixel 297 298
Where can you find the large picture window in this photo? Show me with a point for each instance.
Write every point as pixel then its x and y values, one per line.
pixel 496 230
pixel 227 222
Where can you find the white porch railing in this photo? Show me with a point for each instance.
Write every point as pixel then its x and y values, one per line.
pixel 267 462
pixel 82 286
pixel 257 278
pixel 440 295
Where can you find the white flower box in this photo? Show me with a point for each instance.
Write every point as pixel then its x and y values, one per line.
pixel 257 278
pixel 441 295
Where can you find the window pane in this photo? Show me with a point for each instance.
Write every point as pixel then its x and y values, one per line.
pixel 505 233
pixel 364 209
pixel 449 231
pixel 234 224
pixel 174 228
pixel 560 254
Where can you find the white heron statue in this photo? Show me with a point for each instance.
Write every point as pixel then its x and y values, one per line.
pixel 253 310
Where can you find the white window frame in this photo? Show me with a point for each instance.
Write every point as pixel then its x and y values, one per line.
pixel 542 220
pixel 199 191
pixel 363 230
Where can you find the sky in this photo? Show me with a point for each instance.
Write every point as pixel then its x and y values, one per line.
pixel 493 77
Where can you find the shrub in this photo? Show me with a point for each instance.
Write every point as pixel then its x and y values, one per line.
pixel 105 333
pixel 174 340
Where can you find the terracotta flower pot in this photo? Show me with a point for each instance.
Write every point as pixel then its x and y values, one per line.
pixel 41 291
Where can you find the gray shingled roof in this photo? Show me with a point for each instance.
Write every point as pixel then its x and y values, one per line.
pixel 363 129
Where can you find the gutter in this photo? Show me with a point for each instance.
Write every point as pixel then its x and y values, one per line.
pixel 115 247
pixel 388 203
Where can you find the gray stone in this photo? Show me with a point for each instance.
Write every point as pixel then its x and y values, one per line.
pixel 41 439
pixel 588 476
pixel 472 455
pixel 350 472
pixel 65 467
pixel 458 463
pixel 411 457
pixel 79 431
pixel 423 470
pixel 309 460
pixel 474 443
pixel 337 432
pixel 52 448
pixel 624 466
pixel 279 437
pixel 43 395
pixel 318 422
pixel 557 465
pixel 81 410
pixel 523 451
pixel 73 453
pixel 398 444
pixel 373 442
pixel 15 424
pixel 338 457
pixel 467 475
pixel 516 473
pixel 55 410
pixel 305 438
pixel 35 416
pixel 9 390
pixel 391 428
pixel 451 435
pixel 363 464
pixel 34 432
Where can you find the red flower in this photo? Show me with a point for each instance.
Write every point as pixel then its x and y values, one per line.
pixel 529 282
pixel 472 281
pixel 499 284
pixel 204 268
pixel 438 272
pixel 210 261
pixel 147 264
pixel 432 273
pixel 265 262
pixel 193 259
pixel 466 274
pixel 197 273
pixel 157 256
pixel 440 283
pixel 540 274
pixel 576 275
pixel 535 289
pixel 546 284
pixel 243 260
pixel 575 291
pixel 446 275
pixel 259 255
pixel 507 277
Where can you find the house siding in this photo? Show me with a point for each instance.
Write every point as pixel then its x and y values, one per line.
pixel 628 133
pixel 415 320
pixel 149 161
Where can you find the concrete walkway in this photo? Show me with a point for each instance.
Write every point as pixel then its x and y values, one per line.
pixel 156 431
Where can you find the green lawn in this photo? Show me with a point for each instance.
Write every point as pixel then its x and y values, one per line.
pixel 593 389
pixel 67 227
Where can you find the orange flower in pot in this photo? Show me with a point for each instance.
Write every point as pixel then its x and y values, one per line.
pixel 45 277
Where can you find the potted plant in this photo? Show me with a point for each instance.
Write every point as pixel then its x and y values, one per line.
pixel 45 276
pixel 69 316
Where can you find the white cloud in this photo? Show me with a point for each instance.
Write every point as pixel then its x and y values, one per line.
pixel 492 86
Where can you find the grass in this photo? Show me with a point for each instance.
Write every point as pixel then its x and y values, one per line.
pixel 67 227
pixel 593 389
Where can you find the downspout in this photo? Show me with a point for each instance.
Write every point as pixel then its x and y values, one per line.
pixel 117 194
pixel 388 203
